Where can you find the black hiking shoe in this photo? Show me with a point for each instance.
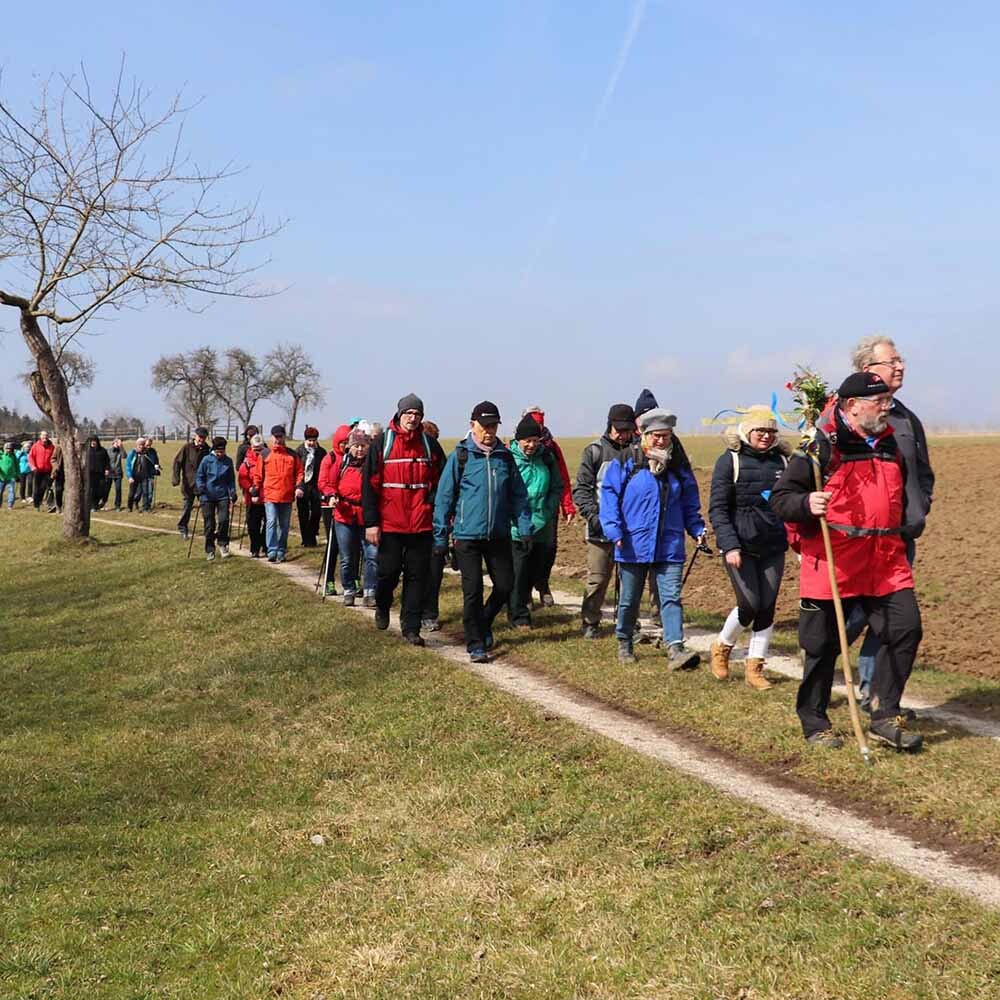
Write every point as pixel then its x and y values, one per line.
pixel 548 601
pixel 381 619
pixel 893 731
pixel 865 704
pixel 414 638
pixel 826 738
pixel 478 656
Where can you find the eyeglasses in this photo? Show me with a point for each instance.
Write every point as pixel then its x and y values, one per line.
pixel 882 402
pixel 890 363
pixel 763 430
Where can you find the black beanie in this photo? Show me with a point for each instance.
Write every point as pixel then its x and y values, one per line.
pixel 218 444
pixel 645 403
pixel 527 428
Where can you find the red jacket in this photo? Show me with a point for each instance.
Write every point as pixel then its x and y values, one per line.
pixel 865 514
pixel 344 481
pixel 277 476
pixel 40 456
pixel 244 474
pixel 398 487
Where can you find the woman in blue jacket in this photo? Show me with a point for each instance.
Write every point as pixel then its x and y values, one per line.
pixel 646 507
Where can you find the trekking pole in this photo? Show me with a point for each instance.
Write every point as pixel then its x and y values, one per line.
pixel 243 524
pixel 702 546
pixel 194 530
pixel 324 570
pixel 812 452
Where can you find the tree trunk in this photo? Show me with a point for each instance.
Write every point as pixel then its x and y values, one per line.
pixel 55 404
pixel 293 418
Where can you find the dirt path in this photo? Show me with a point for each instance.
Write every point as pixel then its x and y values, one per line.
pixel 840 825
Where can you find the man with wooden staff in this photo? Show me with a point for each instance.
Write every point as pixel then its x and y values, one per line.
pixel 863 499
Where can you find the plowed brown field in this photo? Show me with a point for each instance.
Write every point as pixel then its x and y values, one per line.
pixel 956 570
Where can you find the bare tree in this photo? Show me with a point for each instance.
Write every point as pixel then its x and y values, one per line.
pixel 99 211
pixel 188 381
pixel 77 372
pixel 242 383
pixel 295 380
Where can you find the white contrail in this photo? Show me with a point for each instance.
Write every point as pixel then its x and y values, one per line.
pixel 635 21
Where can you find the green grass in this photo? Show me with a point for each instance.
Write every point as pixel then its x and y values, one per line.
pixel 172 734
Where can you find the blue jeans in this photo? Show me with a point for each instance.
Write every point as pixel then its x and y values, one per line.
pixel 141 493
pixel 279 517
pixel 633 581
pixel 352 545
pixel 9 488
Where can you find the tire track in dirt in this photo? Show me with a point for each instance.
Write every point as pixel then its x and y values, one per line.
pixel 797 808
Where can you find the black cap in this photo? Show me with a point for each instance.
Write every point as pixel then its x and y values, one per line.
pixel 201 432
pixel 859 384
pixel 486 412
pixel 278 430
pixel 218 444
pixel 621 416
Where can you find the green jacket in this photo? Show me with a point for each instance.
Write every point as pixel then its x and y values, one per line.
pixel 9 466
pixel 544 484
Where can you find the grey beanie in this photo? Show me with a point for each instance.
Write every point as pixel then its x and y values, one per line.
pixel 657 419
pixel 410 401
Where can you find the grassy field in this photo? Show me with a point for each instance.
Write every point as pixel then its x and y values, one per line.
pixel 175 737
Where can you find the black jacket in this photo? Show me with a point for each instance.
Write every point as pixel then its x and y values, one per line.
pixel 597 456
pixel 186 464
pixel 312 485
pixel 116 462
pixel 96 464
pixel 912 443
pixel 739 507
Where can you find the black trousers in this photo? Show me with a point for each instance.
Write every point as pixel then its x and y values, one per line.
pixel 215 514
pixel 27 485
pixel 547 558
pixel 308 507
pixel 530 560
pixel 756 584
pixel 408 555
pixel 40 486
pixel 255 527
pixel 477 617
pixel 187 505
pixel 895 618
pixel 432 591
pixel 108 482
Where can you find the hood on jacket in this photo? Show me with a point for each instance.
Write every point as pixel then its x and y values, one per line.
pixel 735 440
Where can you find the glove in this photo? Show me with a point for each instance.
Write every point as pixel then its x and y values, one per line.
pixel 594 526
pixel 232 498
pixel 254 492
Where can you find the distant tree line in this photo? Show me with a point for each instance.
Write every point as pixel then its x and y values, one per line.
pixel 202 385
pixel 13 423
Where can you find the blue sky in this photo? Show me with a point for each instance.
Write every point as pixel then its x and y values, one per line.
pixel 562 203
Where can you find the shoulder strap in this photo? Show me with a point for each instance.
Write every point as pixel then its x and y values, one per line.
pixel 390 437
pixel 736 465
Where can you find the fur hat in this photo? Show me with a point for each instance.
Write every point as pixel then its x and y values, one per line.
pixel 310 432
pixel 621 416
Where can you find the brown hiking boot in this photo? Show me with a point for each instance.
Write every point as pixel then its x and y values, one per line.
pixel 754 675
pixel 720 660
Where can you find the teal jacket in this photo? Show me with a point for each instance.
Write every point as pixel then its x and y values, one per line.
pixel 543 483
pixel 9 467
pixel 484 494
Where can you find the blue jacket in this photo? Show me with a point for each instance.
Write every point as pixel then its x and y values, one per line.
pixel 22 462
pixel 215 478
pixel 483 493
pixel 649 514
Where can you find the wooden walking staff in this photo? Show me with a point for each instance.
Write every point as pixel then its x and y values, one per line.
pixel 810 388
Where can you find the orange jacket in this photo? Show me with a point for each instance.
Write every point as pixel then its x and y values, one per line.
pixel 277 476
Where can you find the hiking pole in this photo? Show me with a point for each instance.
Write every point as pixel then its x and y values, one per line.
pixel 194 531
pixel 324 570
pixel 812 451
pixel 243 524
pixel 702 546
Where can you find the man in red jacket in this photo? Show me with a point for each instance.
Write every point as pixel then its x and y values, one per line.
pixel 863 498
pixel 40 463
pixel 397 500
pixel 276 478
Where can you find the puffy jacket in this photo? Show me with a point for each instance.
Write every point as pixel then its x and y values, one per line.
pixel 313 482
pixel 398 487
pixel 341 476
pixel 186 463
pixel 485 495
pixel 865 513
pixel 215 478
pixel 23 466
pixel 8 467
pixel 598 456
pixel 738 503
pixel 649 514
pixel 244 474
pixel 543 483
pixel 277 475
pixel 40 456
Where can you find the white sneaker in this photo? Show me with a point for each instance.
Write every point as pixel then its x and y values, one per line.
pixel 210 556
pixel 225 551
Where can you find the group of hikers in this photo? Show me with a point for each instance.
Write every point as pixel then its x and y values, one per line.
pixel 396 509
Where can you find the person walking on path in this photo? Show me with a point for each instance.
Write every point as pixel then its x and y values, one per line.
pixel 8 474
pixel 215 485
pixel 878 354
pixel 401 474
pixel 340 479
pixel 311 456
pixel 253 502
pixel 566 507
pixel 186 463
pixel 58 479
pixel 751 537
pixel 96 470
pixel 615 446
pixel 431 613
pixel 480 496
pixel 27 477
pixel 863 499
pixel 245 445
pixel 275 478
pixel 647 504
pixel 538 467
pixel 141 470
pixel 116 464
pixel 40 464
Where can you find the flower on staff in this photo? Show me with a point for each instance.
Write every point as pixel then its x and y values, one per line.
pixel 810 393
